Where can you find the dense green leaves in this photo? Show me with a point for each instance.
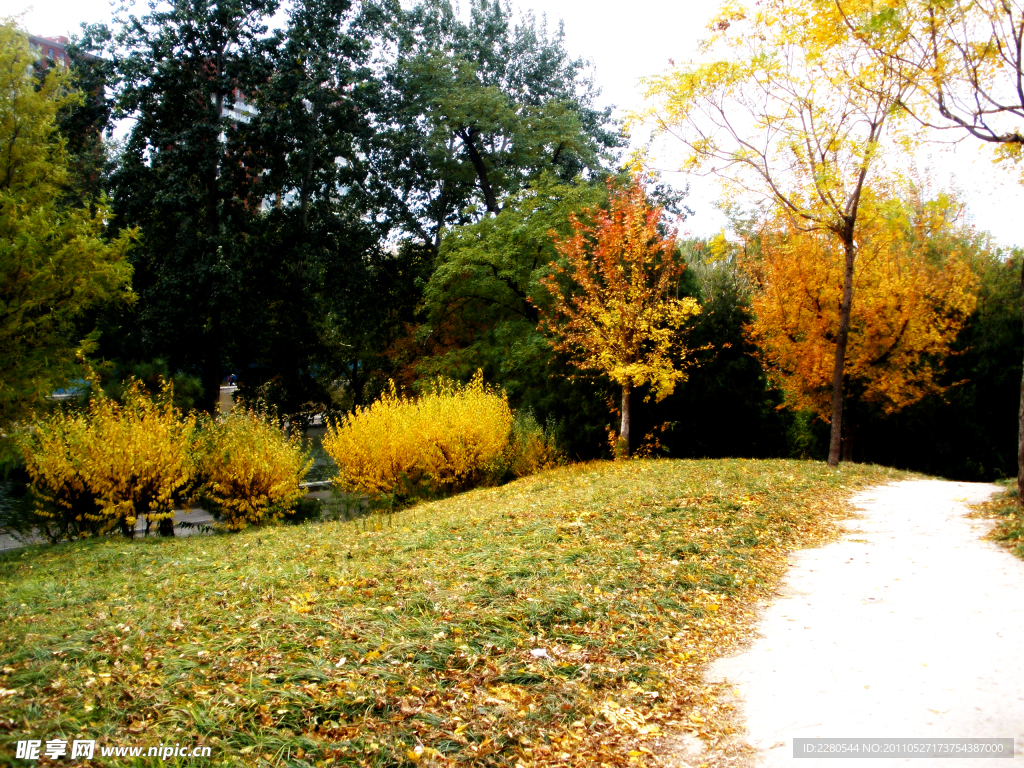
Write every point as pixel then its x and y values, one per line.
pixel 474 110
pixel 55 264
pixel 185 176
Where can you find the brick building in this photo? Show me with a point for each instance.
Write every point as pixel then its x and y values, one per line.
pixel 51 48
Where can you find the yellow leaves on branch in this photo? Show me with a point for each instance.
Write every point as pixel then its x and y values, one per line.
pixel 613 308
pixel 103 468
pixel 114 462
pixel 913 292
pixel 253 471
pixel 444 439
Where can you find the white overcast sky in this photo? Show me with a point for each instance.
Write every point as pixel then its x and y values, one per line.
pixel 626 42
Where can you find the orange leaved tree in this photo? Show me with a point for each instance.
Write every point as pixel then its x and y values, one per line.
pixel 915 290
pixel 613 308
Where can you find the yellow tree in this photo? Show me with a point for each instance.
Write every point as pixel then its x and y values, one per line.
pixel 963 64
pixel 612 307
pixel 915 290
pixel 787 111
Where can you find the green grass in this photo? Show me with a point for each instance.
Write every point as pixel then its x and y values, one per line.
pixel 411 637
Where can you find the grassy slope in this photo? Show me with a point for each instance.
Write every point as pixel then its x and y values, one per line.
pixel 385 642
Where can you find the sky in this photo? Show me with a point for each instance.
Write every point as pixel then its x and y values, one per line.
pixel 626 42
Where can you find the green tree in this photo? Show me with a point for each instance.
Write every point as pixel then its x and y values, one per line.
pixel 473 111
pixel 55 263
pixel 187 176
pixel 315 287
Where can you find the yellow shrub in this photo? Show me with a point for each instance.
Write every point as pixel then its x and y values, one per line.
pixel 444 439
pixel 63 501
pixel 113 463
pixel 253 470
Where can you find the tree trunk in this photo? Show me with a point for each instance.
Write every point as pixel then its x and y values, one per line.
pixel 836 441
pixel 307 173
pixel 212 363
pixel 211 348
pixel 481 171
pixel 1020 415
pixel 624 427
pixel 848 441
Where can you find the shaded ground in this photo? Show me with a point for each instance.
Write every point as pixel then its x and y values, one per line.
pixel 910 626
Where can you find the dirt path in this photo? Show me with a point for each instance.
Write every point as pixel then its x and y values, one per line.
pixel 910 626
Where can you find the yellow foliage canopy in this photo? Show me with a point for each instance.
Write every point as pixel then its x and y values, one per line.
pixel 613 312
pixel 443 439
pixel 914 290
pixel 253 471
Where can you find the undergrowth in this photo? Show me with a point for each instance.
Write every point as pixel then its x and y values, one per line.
pixel 1009 518
pixel 564 619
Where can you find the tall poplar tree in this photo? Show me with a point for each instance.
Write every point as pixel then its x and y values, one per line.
pixel 186 176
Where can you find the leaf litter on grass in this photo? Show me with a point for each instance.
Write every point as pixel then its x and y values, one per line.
pixel 564 619
pixel 1008 516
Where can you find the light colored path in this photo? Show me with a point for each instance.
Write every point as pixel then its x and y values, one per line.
pixel 910 626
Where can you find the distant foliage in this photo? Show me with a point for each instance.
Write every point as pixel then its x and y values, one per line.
pixel 252 470
pixel 445 439
pixel 102 469
pixel 187 389
pixel 969 431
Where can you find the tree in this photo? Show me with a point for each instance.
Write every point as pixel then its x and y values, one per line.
pixel 612 309
pixel 963 67
pixel 795 117
pixel 472 111
pixel 55 264
pixel 187 176
pixel 480 311
pixel 914 295
pixel 314 284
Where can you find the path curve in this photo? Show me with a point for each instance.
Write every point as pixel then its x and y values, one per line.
pixel 911 625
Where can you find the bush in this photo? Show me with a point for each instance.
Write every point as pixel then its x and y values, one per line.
pixel 101 469
pixel 252 470
pixel 444 440
pixel 63 505
pixel 531 448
